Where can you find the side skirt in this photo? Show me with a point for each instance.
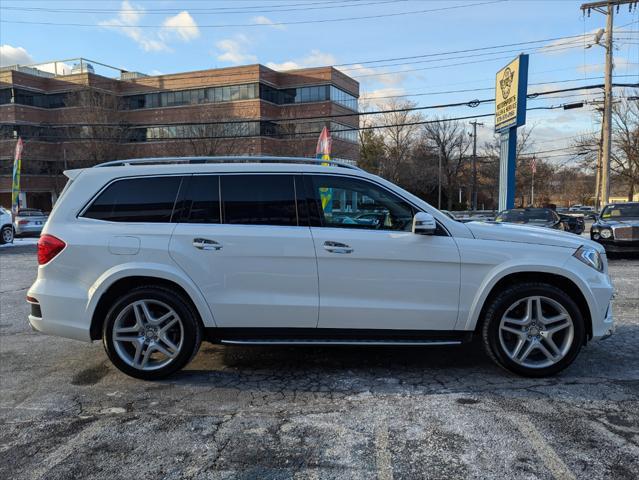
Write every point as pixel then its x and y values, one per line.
pixel 335 336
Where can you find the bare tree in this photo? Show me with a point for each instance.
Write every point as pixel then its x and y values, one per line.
pixel 99 132
pixel 624 161
pixel 399 131
pixel 450 142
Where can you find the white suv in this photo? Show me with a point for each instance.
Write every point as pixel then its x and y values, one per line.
pixel 152 256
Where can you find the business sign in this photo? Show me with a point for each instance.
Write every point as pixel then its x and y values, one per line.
pixel 510 94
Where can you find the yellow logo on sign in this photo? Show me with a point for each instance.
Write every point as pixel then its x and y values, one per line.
pixel 506 92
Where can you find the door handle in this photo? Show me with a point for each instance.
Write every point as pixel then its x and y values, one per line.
pixel 206 244
pixel 337 247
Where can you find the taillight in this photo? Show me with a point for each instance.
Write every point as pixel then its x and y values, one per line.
pixel 48 247
pixel 23 222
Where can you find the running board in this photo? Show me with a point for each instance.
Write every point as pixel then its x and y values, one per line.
pixel 338 341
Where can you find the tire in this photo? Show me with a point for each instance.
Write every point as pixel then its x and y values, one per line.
pixel 6 234
pixel 508 313
pixel 146 346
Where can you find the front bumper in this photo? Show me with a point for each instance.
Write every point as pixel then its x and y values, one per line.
pixel 607 327
pixel 618 246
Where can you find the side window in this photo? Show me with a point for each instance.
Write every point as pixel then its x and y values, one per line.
pixel 149 199
pixel 202 200
pixel 352 203
pixel 259 200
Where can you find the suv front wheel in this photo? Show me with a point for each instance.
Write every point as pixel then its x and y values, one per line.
pixel 151 332
pixel 533 329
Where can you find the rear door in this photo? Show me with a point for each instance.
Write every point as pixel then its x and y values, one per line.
pixel 246 244
pixel 374 272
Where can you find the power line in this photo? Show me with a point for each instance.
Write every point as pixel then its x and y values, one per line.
pixel 212 10
pixel 297 22
pixel 472 103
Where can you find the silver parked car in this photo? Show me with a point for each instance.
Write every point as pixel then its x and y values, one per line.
pixel 29 221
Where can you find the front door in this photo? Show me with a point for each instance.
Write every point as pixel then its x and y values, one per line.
pixel 241 241
pixel 374 273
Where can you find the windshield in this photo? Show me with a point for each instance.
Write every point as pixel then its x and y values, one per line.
pixel 621 211
pixel 536 215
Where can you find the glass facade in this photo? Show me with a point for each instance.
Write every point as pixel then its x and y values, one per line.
pixel 345 99
pixel 191 97
pixel 164 132
pixel 229 93
pixel 337 130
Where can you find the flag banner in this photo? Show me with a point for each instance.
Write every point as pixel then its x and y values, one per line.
pixel 15 185
pixel 323 152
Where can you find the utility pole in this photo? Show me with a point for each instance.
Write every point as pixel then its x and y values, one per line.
pixel 607 8
pixel 474 189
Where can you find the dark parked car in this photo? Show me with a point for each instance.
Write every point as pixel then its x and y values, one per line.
pixel 617 228
pixel 574 221
pixel 540 217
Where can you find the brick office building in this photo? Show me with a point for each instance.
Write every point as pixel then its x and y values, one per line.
pixel 77 114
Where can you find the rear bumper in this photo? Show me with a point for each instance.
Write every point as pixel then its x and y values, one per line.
pixel 62 309
pixel 28 229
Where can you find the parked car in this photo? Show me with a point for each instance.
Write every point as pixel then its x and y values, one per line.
pixel 588 212
pixel 151 257
pixel 617 228
pixel 6 227
pixel 29 221
pixel 539 217
pixel 574 222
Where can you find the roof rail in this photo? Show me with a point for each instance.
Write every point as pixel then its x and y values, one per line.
pixel 228 159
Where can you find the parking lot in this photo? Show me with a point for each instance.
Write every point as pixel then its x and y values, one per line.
pixel 271 413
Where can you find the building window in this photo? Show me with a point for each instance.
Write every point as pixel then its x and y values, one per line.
pixel 5 96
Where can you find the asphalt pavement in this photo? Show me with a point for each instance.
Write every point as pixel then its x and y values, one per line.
pixel 280 413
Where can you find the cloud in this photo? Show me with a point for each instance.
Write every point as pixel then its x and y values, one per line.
pixel 315 58
pixel 233 50
pixel 179 27
pixel 262 20
pixel 618 62
pixel 10 55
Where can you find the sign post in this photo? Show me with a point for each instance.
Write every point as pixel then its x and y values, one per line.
pixel 511 88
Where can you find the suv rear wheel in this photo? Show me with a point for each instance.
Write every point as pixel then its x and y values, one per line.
pixel 533 329
pixel 151 332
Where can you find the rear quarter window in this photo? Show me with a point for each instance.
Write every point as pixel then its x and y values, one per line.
pixel 149 199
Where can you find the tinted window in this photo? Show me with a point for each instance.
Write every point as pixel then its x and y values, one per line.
pixel 136 200
pixel 351 203
pixel 202 200
pixel 258 199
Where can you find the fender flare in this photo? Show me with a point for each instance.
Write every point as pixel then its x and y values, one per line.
pixel 160 271
pixel 503 270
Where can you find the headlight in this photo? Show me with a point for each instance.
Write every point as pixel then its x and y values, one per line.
pixel 590 257
pixel 605 233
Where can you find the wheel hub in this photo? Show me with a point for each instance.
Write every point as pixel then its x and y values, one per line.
pixel 150 333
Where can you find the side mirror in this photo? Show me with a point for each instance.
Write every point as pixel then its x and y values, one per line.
pixel 424 224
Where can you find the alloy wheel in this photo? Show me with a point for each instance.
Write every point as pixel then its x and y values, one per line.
pixel 148 334
pixel 7 235
pixel 536 332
